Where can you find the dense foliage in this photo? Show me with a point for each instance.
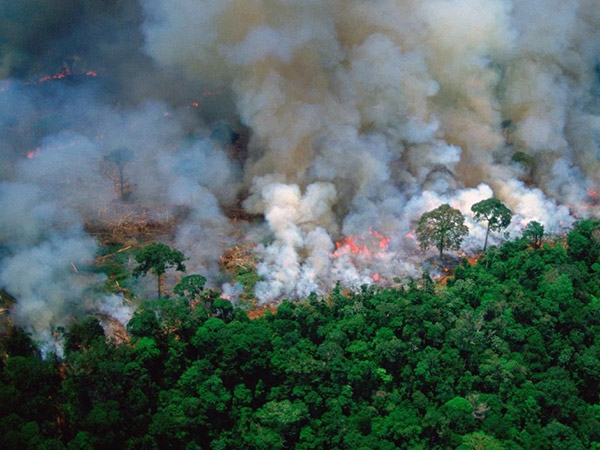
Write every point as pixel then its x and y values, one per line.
pixel 505 355
pixel 157 258
pixel 443 227
pixel 495 213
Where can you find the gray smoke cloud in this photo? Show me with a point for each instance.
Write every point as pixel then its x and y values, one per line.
pixel 398 106
pixel 359 116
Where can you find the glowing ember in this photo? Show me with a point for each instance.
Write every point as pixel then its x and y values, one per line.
pixel 367 245
pixel 375 277
pixel 33 153
pixel 205 93
pixel 63 74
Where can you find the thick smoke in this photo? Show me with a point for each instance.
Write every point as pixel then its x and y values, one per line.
pixel 359 117
pixel 44 247
pixel 398 106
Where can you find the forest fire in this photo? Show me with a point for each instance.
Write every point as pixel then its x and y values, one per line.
pixel 66 73
pixel 593 200
pixel 329 167
pixel 590 206
pixel 57 76
pixel 372 244
pixel 7 84
pixel 212 123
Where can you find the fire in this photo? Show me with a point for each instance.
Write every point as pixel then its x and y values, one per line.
pixel 383 241
pixel 65 73
pixel 205 93
pixel 62 74
pixel 367 245
pixel 375 277
pixel 33 153
pixel 351 244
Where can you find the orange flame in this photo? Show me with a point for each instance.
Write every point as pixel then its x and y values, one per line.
pixel 57 76
pixel 64 74
pixel 205 93
pixel 33 153
pixel 367 245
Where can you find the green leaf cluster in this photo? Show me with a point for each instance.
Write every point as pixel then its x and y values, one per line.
pixel 443 227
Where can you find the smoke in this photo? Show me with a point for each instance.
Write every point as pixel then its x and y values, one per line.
pixel 41 259
pixel 353 118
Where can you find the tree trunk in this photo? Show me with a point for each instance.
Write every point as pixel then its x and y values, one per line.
pixel 121 182
pixel 487 233
pixel 441 248
pixel 158 278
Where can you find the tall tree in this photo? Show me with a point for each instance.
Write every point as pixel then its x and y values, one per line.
pixel 534 231
pixel 157 258
pixel 120 157
pixel 444 227
pixel 190 286
pixel 494 212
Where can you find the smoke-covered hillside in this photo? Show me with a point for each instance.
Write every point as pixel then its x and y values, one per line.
pixel 326 121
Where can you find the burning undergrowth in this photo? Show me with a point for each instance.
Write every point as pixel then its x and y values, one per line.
pixel 315 133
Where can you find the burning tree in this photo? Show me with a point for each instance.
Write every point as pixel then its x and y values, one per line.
pixel 157 258
pixel 496 213
pixel 443 227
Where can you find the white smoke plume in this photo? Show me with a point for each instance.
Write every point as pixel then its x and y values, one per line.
pixel 354 118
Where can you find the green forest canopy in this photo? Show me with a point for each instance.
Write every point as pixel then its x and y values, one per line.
pixel 506 355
